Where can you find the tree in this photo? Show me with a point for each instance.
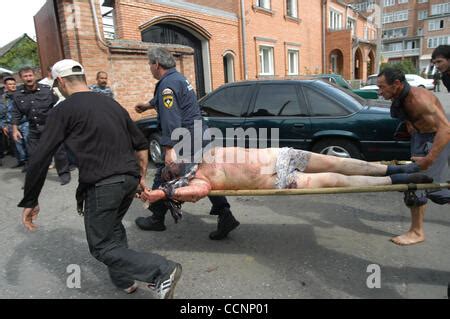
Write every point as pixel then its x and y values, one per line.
pixel 407 66
pixel 24 53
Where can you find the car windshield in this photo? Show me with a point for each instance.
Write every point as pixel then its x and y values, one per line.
pixel 372 80
pixel 350 99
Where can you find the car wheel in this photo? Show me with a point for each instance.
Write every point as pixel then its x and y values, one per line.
pixel 337 147
pixel 154 149
pixel 422 86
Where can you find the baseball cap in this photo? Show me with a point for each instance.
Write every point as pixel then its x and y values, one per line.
pixel 8 78
pixel 67 67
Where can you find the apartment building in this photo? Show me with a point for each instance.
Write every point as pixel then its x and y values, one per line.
pixel 411 29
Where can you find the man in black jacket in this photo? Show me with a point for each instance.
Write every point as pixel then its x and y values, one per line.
pixel 106 144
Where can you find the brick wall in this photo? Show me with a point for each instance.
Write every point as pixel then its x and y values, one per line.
pixel 125 61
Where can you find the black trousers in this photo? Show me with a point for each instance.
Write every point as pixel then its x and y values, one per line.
pixel 159 209
pixel 106 204
pixel 61 159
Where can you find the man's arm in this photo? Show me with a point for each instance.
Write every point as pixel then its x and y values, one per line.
pixel 196 190
pixel 16 116
pixel 441 139
pixel 142 157
pixel 52 137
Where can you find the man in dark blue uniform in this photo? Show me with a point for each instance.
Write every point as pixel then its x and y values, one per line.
pixel 34 101
pixel 177 107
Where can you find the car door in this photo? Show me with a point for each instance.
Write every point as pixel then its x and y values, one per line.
pixel 224 108
pixel 279 115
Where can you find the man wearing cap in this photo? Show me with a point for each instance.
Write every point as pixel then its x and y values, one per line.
pixel 6 107
pixel 34 101
pixel 112 154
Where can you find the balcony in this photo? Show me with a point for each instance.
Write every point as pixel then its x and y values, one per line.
pixel 399 54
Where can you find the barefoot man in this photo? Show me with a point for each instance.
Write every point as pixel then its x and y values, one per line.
pixel 430 137
pixel 271 168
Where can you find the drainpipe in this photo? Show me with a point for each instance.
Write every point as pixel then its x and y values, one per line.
pixel 324 30
pixel 97 27
pixel 244 40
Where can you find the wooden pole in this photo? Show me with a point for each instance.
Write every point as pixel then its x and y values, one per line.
pixel 329 190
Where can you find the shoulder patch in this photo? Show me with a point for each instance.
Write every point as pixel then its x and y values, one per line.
pixel 167 91
pixel 168 100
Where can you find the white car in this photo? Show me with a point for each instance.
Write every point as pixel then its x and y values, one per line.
pixel 413 80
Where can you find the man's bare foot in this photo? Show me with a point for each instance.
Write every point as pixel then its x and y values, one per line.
pixel 409 238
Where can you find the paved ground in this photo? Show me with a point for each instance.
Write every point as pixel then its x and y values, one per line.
pixel 286 247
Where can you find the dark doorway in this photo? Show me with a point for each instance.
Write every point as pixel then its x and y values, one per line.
pixel 171 34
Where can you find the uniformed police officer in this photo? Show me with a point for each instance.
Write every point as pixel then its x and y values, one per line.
pixel 34 101
pixel 176 104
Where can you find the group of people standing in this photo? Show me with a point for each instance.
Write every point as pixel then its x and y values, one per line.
pixel 112 156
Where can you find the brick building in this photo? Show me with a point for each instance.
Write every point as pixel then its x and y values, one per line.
pixel 350 41
pixel 214 41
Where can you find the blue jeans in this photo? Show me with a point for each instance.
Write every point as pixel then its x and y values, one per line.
pixel 106 204
pixel 21 146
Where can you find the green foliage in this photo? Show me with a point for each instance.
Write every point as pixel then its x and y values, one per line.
pixel 407 66
pixel 23 54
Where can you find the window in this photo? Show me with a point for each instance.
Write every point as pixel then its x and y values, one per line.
pixel 436 41
pixel 263 4
pixel 422 1
pixel 229 101
pixel 293 62
pixel 440 8
pixel 423 14
pixel 266 60
pixel 401 15
pixel 410 45
pixel 351 25
pixel 395 16
pixel 291 8
pixel 277 100
pixel 323 106
pixel 434 25
pixel 402 1
pixel 335 20
pixel 389 3
pixel 397 46
pixel 395 33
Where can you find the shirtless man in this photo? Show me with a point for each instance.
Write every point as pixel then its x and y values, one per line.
pixel 239 168
pixel 430 136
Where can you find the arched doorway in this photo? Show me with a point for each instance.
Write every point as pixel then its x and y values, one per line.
pixel 167 33
pixel 228 67
pixel 358 62
pixel 336 61
pixel 371 63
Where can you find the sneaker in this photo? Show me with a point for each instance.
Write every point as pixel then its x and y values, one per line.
pixel 64 178
pixel 165 287
pixel 226 223
pixel 147 223
pixel 18 164
pixel 131 289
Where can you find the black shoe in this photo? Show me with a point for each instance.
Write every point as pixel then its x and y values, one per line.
pixel 226 223
pixel 18 164
pixel 147 223
pixel 64 178
pixel 165 286
pixel 1 162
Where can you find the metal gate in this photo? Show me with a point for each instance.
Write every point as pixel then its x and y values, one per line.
pixel 171 34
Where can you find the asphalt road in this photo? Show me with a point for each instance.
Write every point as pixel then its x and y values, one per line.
pixel 286 247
